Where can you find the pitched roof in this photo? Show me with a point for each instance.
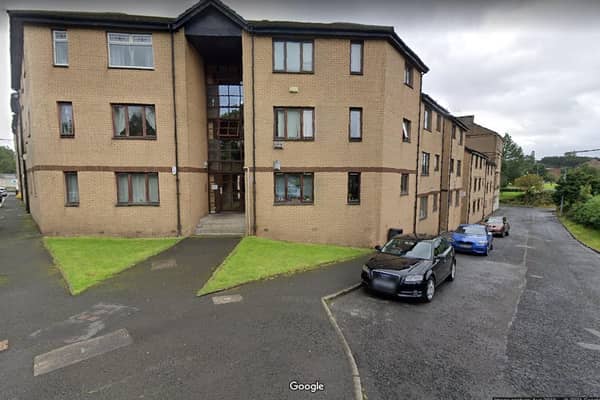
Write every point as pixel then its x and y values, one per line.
pixel 122 20
pixel 435 105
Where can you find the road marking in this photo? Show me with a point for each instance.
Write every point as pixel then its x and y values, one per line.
pixel 234 298
pixel 536 276
pixel 77 352
pixel 524 246
pixel 590 346
pixel 163 264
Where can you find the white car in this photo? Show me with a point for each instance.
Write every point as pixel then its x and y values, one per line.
pixel 3 191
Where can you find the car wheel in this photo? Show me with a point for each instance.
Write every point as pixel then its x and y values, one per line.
pixel 491 246
pixel 429 290
pixel 450 277
pixel 507 233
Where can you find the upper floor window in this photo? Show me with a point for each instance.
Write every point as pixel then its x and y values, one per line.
pixel 435 202
pixel 294 188
pixel 137 188
pixel 425 164
pixel 294 123
pixel 460 136
pixel 354 188
pixel 130 50
pixel 438 122
pixel 453 131
pixel 458 167
pixel 436 165
pixel 457 198
pixel 136 121
pixel 356 57
pixel 452 165
pixel 355 125
pixel 65 119
pixel 292 56
pixel 423 207
pixel 408 75
pixel 406 130
pixel 60 42
pixel 427 119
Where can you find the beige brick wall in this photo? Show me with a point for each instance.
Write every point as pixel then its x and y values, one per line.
pixel 331 90
pixel 91 87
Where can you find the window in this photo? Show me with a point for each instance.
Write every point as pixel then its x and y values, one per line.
pixel 294 123
pixel 436 165
pixel 457 198
pixel 224 110
pixel 458 167
pixel 425 164
pixel 60 42
pixel 294 188
pixel 65 119
pixel 292 56
pixel 452 165
pixel 474 204
pixel 460 136
pixel 130 50
pixel 72 189
pixel 408 75
pixel 135 121
pixel 404 184
pixel 406 131
pixel 427 119
pixel 423 207
pixel 453 131
pixel 356 58
pixel 435 202
pixel 137 188
pixel 438 122
pixel 355 125
pixel 354 188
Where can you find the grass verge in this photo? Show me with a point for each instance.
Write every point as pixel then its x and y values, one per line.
pixel 86 261
pixel 258 258
pixel 589 236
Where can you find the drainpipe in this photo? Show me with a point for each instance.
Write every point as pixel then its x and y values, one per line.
pixel 450 179
pixel 178 194
pixel 418 155
pixel 21 145
pixel 253 145
pixel 441 182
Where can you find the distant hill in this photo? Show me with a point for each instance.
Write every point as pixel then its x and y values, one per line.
pixel 562 161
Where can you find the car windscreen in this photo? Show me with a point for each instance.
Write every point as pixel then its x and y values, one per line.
pixel 495 220
pixel 471 230
pixel 408 248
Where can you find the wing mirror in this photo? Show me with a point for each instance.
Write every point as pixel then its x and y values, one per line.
pixel 378 248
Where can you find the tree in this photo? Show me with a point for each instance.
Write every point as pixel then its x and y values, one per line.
pixel 577 185
pixel 530 182
pixel 7 161
pixel 513 161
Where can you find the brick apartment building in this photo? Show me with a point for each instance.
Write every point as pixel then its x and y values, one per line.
pixel 142 126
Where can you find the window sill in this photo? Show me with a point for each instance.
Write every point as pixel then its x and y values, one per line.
pixel 290 203
pixel 409 85
pixel 422 218
pixel 137 204
pixel 356 73
pixel 295 72
pixel 134 137
pixel 61 65
pixel 405 141
pixel 126 67
pixel 424 174
pixel 293 140
pixel 355 139
pixel 353 203
pixel 71 204
pixel 67 136
pixel 403 193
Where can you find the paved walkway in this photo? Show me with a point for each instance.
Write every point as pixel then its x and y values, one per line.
pixel 183 347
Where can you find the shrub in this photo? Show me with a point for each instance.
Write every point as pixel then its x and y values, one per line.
pixel 587 213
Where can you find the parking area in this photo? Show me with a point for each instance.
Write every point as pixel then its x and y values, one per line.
pixel 506 326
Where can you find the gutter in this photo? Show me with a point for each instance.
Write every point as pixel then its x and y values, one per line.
pixel 177 191
pixel 418 155
pixel 253 143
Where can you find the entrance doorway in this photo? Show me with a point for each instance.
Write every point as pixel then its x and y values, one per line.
pixel 230 193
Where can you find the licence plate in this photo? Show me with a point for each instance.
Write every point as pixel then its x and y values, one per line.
pixel 466 246
pixel 384 284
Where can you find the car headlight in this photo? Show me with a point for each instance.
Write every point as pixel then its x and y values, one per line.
pixel 413 278
pixel 482 242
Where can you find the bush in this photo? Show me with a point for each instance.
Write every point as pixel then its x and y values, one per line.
pixel 587 213
pixel 531 182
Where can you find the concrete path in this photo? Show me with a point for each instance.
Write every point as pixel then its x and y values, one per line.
pixel 182 346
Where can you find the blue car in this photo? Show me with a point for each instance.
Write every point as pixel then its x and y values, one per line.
pixel 472 238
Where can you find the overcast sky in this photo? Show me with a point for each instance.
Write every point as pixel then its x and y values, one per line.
pixel 529 68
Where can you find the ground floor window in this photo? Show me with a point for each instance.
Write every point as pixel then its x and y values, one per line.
pixel 294 187
pixel 423 207
pixel 72 188
pixel 354 188
pixel 137 188
pixel 435 202
pixel 457 198
pixel 404 184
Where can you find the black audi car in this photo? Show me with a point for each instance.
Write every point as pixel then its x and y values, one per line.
pixel 408 266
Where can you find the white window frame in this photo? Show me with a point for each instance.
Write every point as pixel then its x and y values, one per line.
pixel 54 40
pixel 130 43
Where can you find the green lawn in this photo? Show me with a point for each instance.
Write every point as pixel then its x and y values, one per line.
pixel 258 258
pixel 85 261
pixel 549 186
pixel 504 196
pixel 589 236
